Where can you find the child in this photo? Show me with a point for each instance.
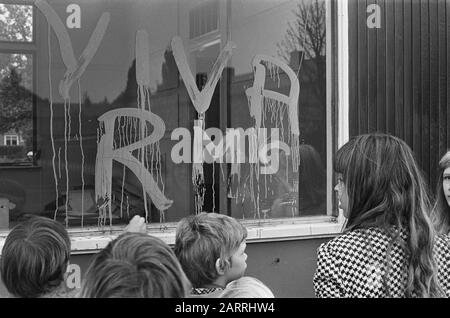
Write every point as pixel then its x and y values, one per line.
pixel 441 209
pixel 389 247
pixel 34 259
pixel 247 287
pixel 211 250
pixel 135 265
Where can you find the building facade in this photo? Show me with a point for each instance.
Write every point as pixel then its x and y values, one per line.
pixel 168 108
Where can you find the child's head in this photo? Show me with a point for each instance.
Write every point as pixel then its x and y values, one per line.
pixel 247 287
pixel 383 182
pixel 384 188
pixel 441 210
pixel 135 265
pixel 35 257
pixel 211 246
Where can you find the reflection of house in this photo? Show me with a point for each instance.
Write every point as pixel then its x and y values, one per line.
pixel 11 139
pixel 12 147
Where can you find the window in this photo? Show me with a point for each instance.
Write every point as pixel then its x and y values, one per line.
pixel 16 83
pixel 203 18
pixel 298 41
pixel 118 122
pixel 11 140
pixel 16 22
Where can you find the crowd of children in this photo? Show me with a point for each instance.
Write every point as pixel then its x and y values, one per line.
pixel 395 243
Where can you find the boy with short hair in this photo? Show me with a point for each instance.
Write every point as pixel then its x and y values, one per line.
pixel 135 265
pixel 35 258
pixel 211 250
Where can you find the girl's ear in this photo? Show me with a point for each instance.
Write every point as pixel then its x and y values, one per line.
pixel 219 267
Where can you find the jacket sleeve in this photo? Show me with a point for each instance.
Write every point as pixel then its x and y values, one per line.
pixel 327 282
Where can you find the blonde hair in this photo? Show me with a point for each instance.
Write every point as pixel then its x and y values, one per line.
pixel 202 239
pixel 247 287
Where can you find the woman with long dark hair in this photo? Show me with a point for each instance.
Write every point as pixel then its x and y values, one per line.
pixel 389 247
pixel 441 208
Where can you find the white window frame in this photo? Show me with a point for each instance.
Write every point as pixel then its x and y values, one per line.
pixel 10 137
pixel 89 240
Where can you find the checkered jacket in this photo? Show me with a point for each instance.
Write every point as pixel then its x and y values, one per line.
pixel 352 265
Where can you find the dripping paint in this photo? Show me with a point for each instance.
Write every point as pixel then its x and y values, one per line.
pixel 106 153
pixel 201 101
pixel 133 137
pixel 270 105
pixel 139 130
pixel 74 71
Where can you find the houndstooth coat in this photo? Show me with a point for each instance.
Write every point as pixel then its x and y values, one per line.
pixel 352 265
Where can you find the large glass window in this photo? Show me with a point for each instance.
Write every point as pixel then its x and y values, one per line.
pixel 167 108
pixel 16 84
pixel 296 38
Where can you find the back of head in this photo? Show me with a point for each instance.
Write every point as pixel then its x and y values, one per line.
pixel 441 209
pixel 247 287
pixel 35 257
pixel 202 239
pixel 386 190
pixel 135 265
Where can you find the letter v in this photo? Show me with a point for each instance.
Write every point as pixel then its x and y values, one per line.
pixel 201 100
pixel 74 69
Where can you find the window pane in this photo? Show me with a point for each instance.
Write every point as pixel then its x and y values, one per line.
pixel 16 108
pixel 296 38
pixel 16 23
pixel 99 165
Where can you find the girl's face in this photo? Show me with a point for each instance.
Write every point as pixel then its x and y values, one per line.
pixel 446 184
pixel 342 195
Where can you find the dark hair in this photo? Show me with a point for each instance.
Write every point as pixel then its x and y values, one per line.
pixel 202 239
pixel 35 257
pixel 441 209
pixel 386 190
pixel 135 265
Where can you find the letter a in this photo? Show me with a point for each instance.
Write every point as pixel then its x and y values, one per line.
pixel 74 19
pixel 73 276
pixel 373 20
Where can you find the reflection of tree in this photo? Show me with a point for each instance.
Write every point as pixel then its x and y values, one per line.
pixel 17 22
pixel 308 34
pixel 23 65
pixel 16 25
pixel 16 107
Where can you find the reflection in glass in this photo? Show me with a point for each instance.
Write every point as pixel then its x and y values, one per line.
pixel 291 31
pixel 297 37
pixel 16 108
pixel 16 23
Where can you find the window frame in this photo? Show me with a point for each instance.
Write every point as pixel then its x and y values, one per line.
pixel 28 48
pixel 92 239
pixel 8 137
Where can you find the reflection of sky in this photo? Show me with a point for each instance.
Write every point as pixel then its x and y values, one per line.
pixel 257 27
